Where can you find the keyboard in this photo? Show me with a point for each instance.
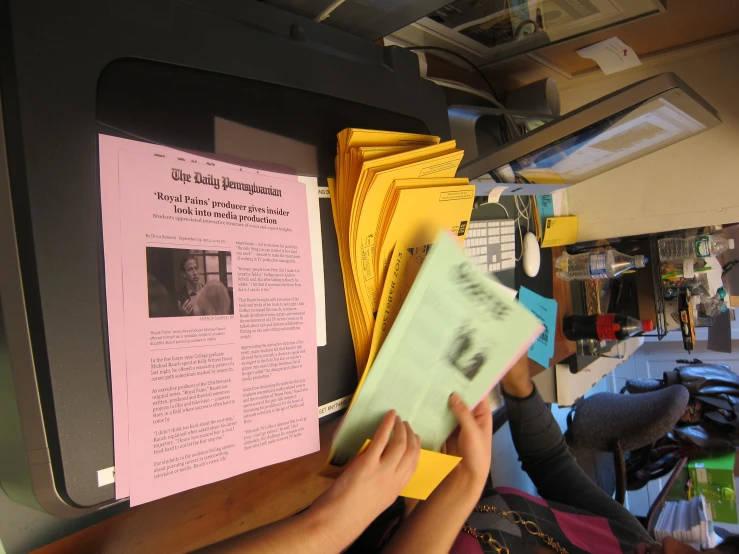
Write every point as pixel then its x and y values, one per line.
pixel 491 245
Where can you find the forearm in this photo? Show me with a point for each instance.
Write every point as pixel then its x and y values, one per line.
pixel 536 435
pixel 314 531
pixel 435 523
pixel 546 458
pixel 537 438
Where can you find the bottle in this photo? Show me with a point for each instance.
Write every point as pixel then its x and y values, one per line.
pixel 702 246
pixel 712 306
pixel 602 264
pixel 604 327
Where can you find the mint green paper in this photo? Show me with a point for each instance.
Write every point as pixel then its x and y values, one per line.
pixel 457 332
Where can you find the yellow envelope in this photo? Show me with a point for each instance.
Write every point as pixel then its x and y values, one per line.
pixel 418 212
pixel 403 270
pixel 377 176
pixel 560 231
pixel 432 469
pixel 342 191
pixel 361 313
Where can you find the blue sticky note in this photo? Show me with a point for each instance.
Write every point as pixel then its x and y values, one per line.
pixel 546 310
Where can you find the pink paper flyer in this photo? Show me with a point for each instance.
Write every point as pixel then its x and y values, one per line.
pixel 213 311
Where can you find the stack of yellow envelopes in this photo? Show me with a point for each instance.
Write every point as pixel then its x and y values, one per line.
pixel 390 188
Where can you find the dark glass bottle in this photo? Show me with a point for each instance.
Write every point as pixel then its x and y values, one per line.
pixel 604 327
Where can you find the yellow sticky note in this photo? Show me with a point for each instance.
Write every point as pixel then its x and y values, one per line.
pixel 432 468
pixel 560 231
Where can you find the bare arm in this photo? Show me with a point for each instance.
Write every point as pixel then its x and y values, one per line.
pixel 434 524
pixel 370 484
pixel 315 531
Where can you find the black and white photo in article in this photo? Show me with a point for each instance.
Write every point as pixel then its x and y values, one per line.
pixel 189 282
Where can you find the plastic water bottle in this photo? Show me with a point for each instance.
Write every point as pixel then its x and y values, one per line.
pixel 702 246
pixel 601 264
pixel 712 306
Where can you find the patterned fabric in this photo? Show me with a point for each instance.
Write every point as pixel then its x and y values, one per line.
pixel 578 531
pixel 577 514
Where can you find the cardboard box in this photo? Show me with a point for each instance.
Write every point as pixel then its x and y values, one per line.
pixel 713 477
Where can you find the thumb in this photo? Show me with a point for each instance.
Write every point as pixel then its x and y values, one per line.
pixel 460 410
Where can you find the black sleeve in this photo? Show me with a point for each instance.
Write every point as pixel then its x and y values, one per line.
pixel 546 458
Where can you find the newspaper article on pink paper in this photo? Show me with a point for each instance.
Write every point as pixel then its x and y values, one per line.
pixel 219 319
pixel 110 148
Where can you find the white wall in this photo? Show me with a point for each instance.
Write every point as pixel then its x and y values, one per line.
pixel 689 184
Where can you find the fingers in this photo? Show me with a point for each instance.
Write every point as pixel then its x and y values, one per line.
pixel 401 453
pixel 483 416
pixel 412 438
pixel 482 408
pixel 460 410
pixel 517 375
pixel 409 461
pixel 452 442
pixel 412 441
pixel 397 445
pixel 382 435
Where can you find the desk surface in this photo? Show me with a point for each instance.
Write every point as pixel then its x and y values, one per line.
pixel 198 517
pixel 202 516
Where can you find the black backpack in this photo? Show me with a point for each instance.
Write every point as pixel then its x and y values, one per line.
pixel 711 419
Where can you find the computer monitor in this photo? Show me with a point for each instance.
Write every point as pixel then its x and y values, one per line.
pixel 609 132
pixel 131 71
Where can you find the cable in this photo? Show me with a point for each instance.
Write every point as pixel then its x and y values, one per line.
pixel 520 237
pixel 326 13
pixel 512 128
pixel 521 25
pixel 728 266
pixel 523 213
pixel 467 61
pixel 523 209
pixel 483 201
pixel 508 216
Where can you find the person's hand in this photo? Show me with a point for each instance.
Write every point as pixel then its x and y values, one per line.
pixel 472 440
pixel 373 480
pixel 186 308
pixel 517 382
